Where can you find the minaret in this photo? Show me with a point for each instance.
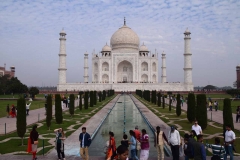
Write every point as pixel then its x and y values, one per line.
pixel 86 68
pixel 164 75
pixel 187 58
pixel 62 58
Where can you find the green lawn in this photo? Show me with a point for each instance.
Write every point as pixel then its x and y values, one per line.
pixel 234 105
pixel 213 95
pixel 79 118
pixel 4 103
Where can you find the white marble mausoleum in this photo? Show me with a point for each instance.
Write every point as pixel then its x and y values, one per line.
pixel 125 65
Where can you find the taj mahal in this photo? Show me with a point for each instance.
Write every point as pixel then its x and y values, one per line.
pixel 125 65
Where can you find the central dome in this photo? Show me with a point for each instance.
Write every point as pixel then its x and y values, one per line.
pixel 124 38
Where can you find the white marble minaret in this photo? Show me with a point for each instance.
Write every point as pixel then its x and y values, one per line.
pixel 187 58
pixel 62 58
pixel 164 75
pixel 86 68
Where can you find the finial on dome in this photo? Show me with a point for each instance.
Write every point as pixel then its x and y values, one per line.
pixel 124 21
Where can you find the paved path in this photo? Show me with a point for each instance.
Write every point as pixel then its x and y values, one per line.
pixel 217 116
pixel 34 116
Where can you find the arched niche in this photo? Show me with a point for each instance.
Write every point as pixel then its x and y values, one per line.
pixel 144 66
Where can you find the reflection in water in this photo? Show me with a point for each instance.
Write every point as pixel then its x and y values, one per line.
pixel 115 123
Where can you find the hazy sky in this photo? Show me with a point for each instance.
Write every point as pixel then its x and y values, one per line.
pixel 29 35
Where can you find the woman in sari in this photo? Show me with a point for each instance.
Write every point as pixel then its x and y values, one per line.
pixel 111 154
pixel 13 111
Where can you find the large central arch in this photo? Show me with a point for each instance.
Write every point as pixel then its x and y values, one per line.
pixel 125 72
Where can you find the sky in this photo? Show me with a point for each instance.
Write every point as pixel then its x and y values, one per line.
pixel 29 36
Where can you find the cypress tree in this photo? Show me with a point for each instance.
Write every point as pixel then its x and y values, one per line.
pixel 152 96
pixel 227 114
pixel 91 98
pixel 163 101
pixel 58 109
pixel 49 111
pixel 80 100
pixel 178 107
pixel 21 118
pixel 191 107
pixel 170 104
pixel 201 111
pixel 104 95
pixel 100 96
pixel 95 97
pixel 86 100
pixel 72 104
pixel 159 99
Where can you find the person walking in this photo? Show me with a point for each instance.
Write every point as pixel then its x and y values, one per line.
pixel 133 145
pixel 229 139
pixel 138 136
pixel 216 105
pixel 111 153
pixel 85 142
pixel 238 114
pixel 197 128
pixel 125 141
pixel 27 108
pixel 144 145
pixel 159 136
pixel 199 149
pixel 188 147
pixel 60 137
pixel 193 135
pixel 210 105
pixel 122 152
pixel 34 141
pixel 174 141
pixel 218 150
pixel 8 110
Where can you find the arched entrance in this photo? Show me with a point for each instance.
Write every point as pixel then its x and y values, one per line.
pixel 124 72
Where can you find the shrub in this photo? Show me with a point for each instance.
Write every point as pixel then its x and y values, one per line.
pixel 178 107
pixel 21 117
pixel 49 111
pixel 201 111
pixel 227 114
pixel 191 107
pixel 72 104
pixel 58 109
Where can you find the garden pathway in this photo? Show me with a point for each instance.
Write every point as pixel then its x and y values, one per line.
pixel 216 116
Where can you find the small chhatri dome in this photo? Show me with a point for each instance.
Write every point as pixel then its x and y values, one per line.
pixel 63 32
pixel 143 48
pixel 106 48
pixel 187 31
pixel 163 53
pixel 125 38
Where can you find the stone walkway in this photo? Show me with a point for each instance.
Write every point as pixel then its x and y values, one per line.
pixel 33 117
pixel 216 116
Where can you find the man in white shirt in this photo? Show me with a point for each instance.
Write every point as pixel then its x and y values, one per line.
pixel 197 128
pixel 174 142
pixel 229 139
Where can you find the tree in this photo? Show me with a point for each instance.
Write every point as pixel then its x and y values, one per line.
pixel 58 109
pixel 104 95
pixel 227 114
pixel 170 104
pixel 159 99
pixel 86 100
pixel 33 91
pixel 191 107
pixel 201 111
pixel 178 107
pixel 95 97
pixel 72 104
pixel 209 87
pixel 163 101
pixel 49 111
pixel 233 92
pixel 100 96
pixel 21 118
pixel 91 98
pixel 80 100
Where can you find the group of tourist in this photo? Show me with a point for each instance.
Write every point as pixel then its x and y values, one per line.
pixel 210 105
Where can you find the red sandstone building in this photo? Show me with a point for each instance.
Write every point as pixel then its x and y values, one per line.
pixel 3 71
pixel 238 76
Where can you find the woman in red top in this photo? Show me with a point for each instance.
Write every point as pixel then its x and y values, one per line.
pixel 111 154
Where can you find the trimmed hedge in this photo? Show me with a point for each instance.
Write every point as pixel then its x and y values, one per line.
pixel 191 107
pixel 178 107
pixel 86 100
pixel 21 118
pixel 80 100
pixel 58 109
pixel 227 115
pixel 91 99
pixel 49 111
pixel 71 106
pixel 201 111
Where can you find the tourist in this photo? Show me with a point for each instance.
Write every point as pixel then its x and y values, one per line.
pixel 181 100
pixel 122 152
pixel 159 136
pixel 27 108
pixel 199 149
pixel 197 128
pixel 138 136
pixel 218 150
pixel 216 105
pixel 174 142
pixel 238 114
pixel 66 102
pixel 60 137
pixel 111 153
pixel 229 139
pixel 194 135
pixel 144 145
pixel 13 111
pixel 125 141
pixel 133 145
pixel 210 105
pixel 188 147
pixel 34 141
pixel 85 142
pixel 8 110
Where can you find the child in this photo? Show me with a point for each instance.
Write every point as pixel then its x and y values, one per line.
pixel 124 141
